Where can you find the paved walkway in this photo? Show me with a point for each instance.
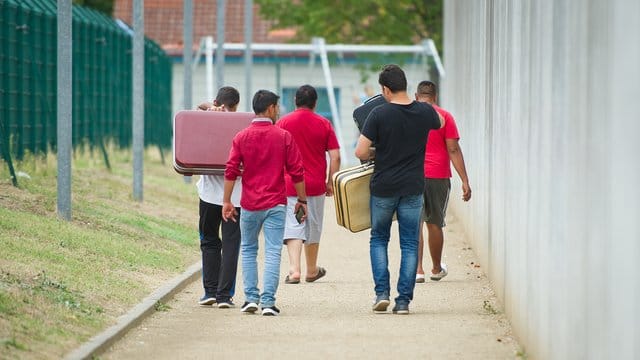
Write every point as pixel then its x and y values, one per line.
pixel 456 318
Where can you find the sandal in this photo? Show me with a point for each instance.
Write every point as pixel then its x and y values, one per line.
pixel 321 272
pixel 289 280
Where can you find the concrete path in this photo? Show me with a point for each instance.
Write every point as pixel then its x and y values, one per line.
pixel 456 318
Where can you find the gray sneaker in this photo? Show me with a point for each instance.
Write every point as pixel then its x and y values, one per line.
pixel 381 303
pixel 207 300
pixel 226 304
pixel 401 309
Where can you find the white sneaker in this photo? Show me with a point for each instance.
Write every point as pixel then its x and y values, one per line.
pixel 441 274
pixel 419 278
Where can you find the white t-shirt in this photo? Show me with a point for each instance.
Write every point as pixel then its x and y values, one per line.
pixel 211 189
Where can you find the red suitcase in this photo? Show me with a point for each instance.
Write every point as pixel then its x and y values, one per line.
pixel 202 140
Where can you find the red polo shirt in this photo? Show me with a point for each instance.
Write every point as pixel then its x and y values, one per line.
pixel 264 152
pixel 314 136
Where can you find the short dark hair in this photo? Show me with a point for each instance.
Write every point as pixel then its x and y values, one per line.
pixel 393 77
pixel 306 96
pixel 227 96
pixel 427 88
pixel 262 100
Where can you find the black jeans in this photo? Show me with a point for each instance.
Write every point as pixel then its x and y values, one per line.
pixel 219 256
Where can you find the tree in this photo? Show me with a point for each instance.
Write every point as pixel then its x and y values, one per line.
pixel 358 21
pixel 105 6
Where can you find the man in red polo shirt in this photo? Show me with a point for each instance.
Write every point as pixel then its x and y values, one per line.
pixel 442 149
pixel 315 138
pixel 263 152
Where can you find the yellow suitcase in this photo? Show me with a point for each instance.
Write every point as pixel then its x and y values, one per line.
pixel 351 196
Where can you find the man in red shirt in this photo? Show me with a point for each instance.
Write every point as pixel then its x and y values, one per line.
pixel 261 153
pixel 442 148
pixel 315 138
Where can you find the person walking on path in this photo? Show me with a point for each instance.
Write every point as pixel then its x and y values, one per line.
pixel 442 149
pixel 261 153
pixel 399 128
pixel 315 138
pixel 219 256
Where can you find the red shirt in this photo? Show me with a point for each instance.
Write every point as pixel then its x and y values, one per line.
pixel 314 136
pixel 436 157
pixel 265 152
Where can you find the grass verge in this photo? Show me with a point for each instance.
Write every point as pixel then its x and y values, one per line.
pixel 63 282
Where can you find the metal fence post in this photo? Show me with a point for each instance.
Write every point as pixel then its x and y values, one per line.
pixel 248 53
pixel 64 108
pixel 220 44
pixel 138 97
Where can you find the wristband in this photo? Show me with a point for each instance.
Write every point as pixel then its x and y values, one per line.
pixel 302 201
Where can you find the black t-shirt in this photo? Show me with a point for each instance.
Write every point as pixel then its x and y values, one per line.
pixel 400 134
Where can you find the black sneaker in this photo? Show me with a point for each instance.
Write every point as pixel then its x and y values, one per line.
pixel 381 303
pixel 249 307
pixel 226 304
pixel 401 309
pixel 207 300
pixel 270 311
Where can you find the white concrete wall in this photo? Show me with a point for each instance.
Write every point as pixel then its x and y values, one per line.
pixel 345 77
pixel 545 95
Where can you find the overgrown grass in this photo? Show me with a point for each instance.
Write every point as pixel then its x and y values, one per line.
pixel 63 282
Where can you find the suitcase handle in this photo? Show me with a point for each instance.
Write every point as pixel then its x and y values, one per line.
pixel 367 165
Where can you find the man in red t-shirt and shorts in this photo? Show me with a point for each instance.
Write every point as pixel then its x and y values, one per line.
pixel 315 137
pixel 442 148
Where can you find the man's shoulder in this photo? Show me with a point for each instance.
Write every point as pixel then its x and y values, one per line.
pixel 284 120
pixel 442 111
pixel 292 118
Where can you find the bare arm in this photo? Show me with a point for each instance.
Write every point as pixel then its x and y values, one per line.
pixel 457 159
pixel 334 166
pixel 228 209
pixel 363 151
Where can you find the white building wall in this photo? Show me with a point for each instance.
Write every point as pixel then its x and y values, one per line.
pixel 265 76
pixel 545 95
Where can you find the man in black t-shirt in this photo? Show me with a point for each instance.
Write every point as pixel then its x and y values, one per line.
pixel 399 129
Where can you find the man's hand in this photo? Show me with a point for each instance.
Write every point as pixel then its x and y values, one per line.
pixel 217 108
pixel 229 212
pixel 329 188
pixel 304 207
pixel 204 106
pixel 466 192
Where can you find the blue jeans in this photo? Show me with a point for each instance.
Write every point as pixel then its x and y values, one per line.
pixel 272 222
pixel 408 209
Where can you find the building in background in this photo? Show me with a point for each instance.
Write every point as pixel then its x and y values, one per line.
pixel 281 72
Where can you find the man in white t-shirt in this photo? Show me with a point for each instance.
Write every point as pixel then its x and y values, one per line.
pixel 219 255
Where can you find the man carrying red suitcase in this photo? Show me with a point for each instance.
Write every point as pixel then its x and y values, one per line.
pixel 219 255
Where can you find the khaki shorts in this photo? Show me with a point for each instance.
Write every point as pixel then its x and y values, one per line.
pixel 311 229
pixel 436 199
